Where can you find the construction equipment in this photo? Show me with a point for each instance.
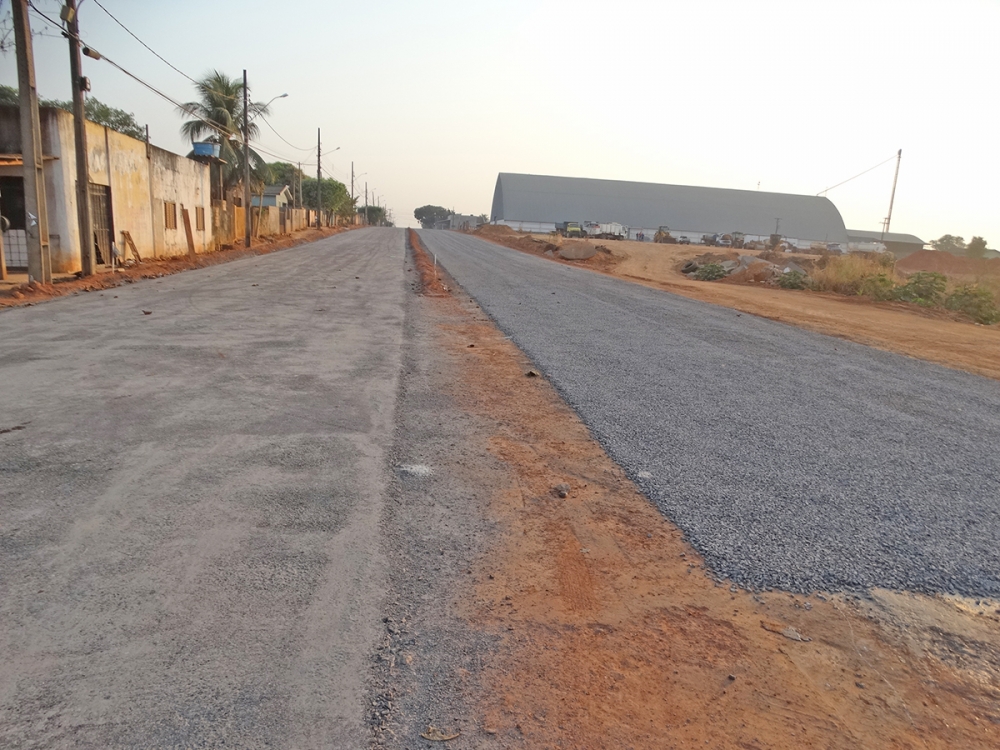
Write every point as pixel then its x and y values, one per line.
pixel 610 231
pixel 570 229
pixel 663 236
pixel 738 239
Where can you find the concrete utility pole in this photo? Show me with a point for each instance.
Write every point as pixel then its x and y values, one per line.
pixel 352 183
pixel 366 202
pixel 298 203
pixel 319 184
pixel 248 219
pixel 892 199
pixel 88 260
pixel 36 215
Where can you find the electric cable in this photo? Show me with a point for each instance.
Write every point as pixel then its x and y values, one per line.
pixel 852 178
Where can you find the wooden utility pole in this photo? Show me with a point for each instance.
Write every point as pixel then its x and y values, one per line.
pixel 319 184
pixel 892 199
pixel 248 219
pixel 88 260
pixel 36 216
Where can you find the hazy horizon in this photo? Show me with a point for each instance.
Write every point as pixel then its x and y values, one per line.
pixel 432 102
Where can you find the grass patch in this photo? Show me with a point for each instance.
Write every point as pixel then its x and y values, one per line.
pixel 976 302
pixel 710 272
pixel 846 274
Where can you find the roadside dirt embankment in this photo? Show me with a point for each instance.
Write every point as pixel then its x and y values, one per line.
pixel 932 335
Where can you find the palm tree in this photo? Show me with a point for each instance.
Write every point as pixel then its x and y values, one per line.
pixel 218 118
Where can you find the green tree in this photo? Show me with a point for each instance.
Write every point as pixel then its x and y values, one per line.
pixel 217 117
pixel 949 243
pixel 427 215
pixel 283 173
pixel 976 248
pixel 333 193
pixel 375 215
pixel 94 109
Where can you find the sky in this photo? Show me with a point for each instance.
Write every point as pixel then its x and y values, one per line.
pixel 432 99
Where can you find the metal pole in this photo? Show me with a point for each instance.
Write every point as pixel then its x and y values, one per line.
pixel 885 226
pixel 36 215
pixel 88 260
pixel 319 183
pixel 247 219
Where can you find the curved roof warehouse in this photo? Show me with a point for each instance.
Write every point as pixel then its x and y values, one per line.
pixel 538 203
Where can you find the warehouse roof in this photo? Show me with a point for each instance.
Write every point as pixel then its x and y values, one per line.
pixel 537 198
pixel 863 235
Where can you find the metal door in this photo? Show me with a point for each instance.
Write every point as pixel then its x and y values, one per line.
pixel 100 220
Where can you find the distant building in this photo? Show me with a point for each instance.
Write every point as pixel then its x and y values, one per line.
pixel 536 203
pixel 896 243
pixel 274 195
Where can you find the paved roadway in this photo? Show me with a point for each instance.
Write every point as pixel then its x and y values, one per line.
pixel 790 459
pixel 190 503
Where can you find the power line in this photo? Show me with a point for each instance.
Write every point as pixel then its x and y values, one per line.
pixel 852 178
pixel 266 122
pixel 129 31
pixel 181 107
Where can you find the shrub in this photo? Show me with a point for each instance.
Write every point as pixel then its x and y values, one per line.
pixel 923 288
pixel 845 274
pixel 975 302
pixel 710 272
pixel 879 287
pixel 793 280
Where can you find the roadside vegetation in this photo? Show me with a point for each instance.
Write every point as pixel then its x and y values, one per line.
pixel 876 277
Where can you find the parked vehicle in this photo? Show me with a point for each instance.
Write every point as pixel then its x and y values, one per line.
pixel 609 231
pixel 709 239
pixel 683 240
pixel 835 247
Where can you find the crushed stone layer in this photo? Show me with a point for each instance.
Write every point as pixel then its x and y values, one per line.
pixel 791 459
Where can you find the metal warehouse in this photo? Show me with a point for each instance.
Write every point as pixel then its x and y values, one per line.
pixel 536 203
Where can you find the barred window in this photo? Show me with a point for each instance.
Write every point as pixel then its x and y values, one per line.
pixel 169 215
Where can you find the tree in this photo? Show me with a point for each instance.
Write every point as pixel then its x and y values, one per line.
pixel 283 173
pixel 949 244
pixel 375 214
pixel 427 215
pixel 217 117
pixel 333 193
pixel 94 109
pixel 976 248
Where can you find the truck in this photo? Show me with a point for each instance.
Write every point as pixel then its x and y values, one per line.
pixel 610 231
pixel 570 229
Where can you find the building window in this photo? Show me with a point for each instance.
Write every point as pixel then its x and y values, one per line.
pixel 199 219
pixel 169 215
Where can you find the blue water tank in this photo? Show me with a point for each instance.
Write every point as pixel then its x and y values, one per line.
pixel 207 149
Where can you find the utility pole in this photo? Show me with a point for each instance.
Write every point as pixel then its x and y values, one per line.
pixel 352 182
pixel 248 218
pixel 892 199
pixel 36 215
pixel 319 183
pixel 88 260
pixel 298 203
pixel 366 202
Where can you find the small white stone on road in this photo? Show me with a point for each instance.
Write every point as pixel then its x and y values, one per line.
pixel 415 470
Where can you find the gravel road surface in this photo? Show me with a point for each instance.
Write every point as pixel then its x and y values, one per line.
pixel 190 503
pixel 791 459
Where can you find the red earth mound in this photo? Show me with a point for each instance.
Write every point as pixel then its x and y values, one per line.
pixel 948 264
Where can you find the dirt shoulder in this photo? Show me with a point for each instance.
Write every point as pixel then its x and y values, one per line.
pixel 611 633
pixel 28 294
pixel 936 336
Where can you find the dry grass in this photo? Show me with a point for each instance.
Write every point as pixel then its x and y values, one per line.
pixel 845 274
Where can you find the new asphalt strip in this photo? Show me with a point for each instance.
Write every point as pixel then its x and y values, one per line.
pixel 791 459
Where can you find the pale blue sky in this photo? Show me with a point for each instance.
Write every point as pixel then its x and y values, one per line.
pixel 433 99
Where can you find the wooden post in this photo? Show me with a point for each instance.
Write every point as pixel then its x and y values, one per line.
pixel 187 230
